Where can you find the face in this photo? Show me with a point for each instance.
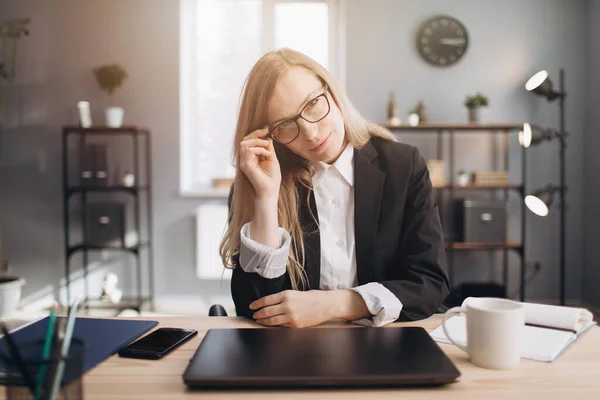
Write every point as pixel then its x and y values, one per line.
pixel 297 91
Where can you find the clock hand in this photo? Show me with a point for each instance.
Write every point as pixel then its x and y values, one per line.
pixel 452 41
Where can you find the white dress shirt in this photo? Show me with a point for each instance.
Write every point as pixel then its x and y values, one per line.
pixel 334 194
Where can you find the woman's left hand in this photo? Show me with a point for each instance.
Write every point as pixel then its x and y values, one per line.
pixel 293 309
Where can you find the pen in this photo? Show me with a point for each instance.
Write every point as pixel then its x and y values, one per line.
pixel 12 347
pixel 65 350
pixel 45 353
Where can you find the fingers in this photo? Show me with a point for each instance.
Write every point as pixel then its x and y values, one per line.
pixel 273 321
pixel 259 133
pixel 259 151
pixel 267 301
pixel 270 311
pixel 256 146
pixel 255 143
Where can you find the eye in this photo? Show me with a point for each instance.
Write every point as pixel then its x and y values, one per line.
pixel 284 125
pixel 314 101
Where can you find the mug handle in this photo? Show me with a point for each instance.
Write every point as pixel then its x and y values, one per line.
pixel 451 313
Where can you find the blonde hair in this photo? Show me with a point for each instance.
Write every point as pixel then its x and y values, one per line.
pixel 257 92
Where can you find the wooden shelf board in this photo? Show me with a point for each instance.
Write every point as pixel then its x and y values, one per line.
pixel 517 186
pixel 116 188
pixel 455 126
pixel 126 302
pixel 483 246
pixel 127 129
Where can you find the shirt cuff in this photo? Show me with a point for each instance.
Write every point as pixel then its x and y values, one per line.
pixel 266 261
pixel 383 305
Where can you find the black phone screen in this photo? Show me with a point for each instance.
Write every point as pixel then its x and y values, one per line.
pixel 160 340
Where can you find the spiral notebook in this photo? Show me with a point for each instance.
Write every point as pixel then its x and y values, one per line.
pixel 549 330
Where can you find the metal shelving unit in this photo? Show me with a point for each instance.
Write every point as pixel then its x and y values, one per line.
pixel 451 129
pixel 140 138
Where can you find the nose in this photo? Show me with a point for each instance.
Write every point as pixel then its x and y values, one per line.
pixel 308 129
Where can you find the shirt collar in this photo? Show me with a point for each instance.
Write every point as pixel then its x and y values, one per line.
pixel 344 165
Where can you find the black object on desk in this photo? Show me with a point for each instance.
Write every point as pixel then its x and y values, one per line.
pixel 322 357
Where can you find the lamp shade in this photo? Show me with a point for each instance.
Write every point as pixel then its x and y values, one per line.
pixel 540 201
pixel 526 135
pixel 532 135
pixel 541 85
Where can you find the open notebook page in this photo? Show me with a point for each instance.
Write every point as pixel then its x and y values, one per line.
pixel 570 318
pixel 539 344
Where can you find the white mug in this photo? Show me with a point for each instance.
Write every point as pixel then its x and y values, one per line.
pixel 494 331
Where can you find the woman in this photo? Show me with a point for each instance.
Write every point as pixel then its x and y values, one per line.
pixel 330 218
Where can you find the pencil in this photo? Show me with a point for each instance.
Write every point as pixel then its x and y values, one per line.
pixel 12 347
pixel 45 353
pixel 65 350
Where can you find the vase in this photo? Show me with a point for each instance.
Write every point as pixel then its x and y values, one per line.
pixel 114 117
pixel 413 119
pixel 474 114
pixel 10 294
pixel 463 179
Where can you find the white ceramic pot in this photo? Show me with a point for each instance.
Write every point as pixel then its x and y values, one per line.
pixel 114 117
pixel 10 294
pixel 463 179
pixel 474 114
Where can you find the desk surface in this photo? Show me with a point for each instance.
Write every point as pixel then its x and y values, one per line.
pixel 575 375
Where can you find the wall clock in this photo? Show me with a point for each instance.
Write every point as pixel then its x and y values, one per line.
pixel 442 40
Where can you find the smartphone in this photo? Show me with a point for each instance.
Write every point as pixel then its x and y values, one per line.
pixel 158 343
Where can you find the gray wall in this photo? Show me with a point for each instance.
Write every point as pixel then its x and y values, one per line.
pixel 591 261
pixel 68 38
pixel 509 41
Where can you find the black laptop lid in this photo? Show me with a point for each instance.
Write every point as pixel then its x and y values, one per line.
pixel 282 357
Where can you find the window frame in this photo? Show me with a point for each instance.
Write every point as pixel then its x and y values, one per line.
pixel 187 54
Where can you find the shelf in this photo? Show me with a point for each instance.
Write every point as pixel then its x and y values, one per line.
pixel 106 189
pixel 453 126
pixel 483 246
pixel 105 130
pixel 133 249
pixel 125 303
pixel 515 186
pixel 206 194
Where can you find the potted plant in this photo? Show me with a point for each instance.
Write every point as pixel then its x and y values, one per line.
pixel 10 33
pixel 463 178
pixel 110 78
pixel 474 104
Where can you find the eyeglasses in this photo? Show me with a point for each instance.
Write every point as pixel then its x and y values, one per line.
pixel 314 111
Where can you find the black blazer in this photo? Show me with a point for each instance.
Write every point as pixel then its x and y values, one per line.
pixel 398 234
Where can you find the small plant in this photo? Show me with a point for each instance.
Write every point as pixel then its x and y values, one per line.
pixel 478 100
pixel 110 77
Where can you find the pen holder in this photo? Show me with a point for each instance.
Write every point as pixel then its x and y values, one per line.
pixel 42 372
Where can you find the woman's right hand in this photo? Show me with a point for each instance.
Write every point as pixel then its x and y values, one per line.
pixel 259 163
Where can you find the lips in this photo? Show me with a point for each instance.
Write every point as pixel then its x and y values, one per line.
pixel 320 145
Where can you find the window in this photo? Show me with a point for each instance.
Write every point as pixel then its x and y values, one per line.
pixel 220 41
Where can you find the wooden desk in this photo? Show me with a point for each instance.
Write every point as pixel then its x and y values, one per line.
pixel 576 374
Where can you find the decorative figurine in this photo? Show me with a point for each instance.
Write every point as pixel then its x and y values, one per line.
pixel 110 292
pixel 392 111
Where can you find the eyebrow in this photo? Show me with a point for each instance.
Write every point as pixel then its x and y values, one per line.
pixel 308 98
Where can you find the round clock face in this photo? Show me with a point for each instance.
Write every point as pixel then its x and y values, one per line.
pixel 442 41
